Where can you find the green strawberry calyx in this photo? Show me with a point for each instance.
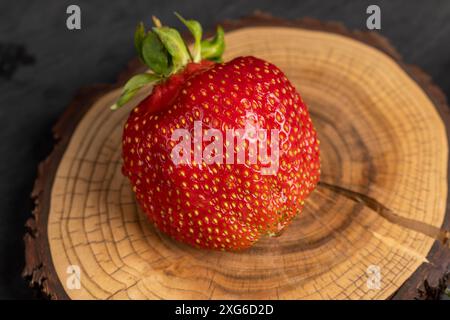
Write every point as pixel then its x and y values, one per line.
pixel 164 52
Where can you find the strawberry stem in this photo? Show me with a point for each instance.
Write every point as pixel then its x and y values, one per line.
pixel 165 53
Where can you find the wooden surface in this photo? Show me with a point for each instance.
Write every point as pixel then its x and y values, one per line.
pixel 382 200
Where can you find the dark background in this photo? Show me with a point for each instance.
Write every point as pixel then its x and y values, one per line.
pixel 42 64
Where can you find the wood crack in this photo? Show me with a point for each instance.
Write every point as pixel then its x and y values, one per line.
pixel 431 231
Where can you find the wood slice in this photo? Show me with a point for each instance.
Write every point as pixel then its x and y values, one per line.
pixel 381 203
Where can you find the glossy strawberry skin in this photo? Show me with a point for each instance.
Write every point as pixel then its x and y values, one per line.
pixel 221 206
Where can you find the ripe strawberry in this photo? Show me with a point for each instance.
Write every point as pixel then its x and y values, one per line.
pixel 227 205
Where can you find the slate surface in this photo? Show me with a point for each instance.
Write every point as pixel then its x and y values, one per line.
pixel 42 64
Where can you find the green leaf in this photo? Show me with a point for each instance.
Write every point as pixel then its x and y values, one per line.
pixel 124 98
pixel 139 36
pixel 154 54
pixel 214 48
pixel 140 80
pixel 132 87
pixel 196 29
pixel 216 59
pixel 175 45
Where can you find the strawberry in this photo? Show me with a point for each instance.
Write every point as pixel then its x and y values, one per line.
pixel 216 202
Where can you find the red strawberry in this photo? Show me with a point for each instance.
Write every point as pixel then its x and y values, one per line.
pixel 221 205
